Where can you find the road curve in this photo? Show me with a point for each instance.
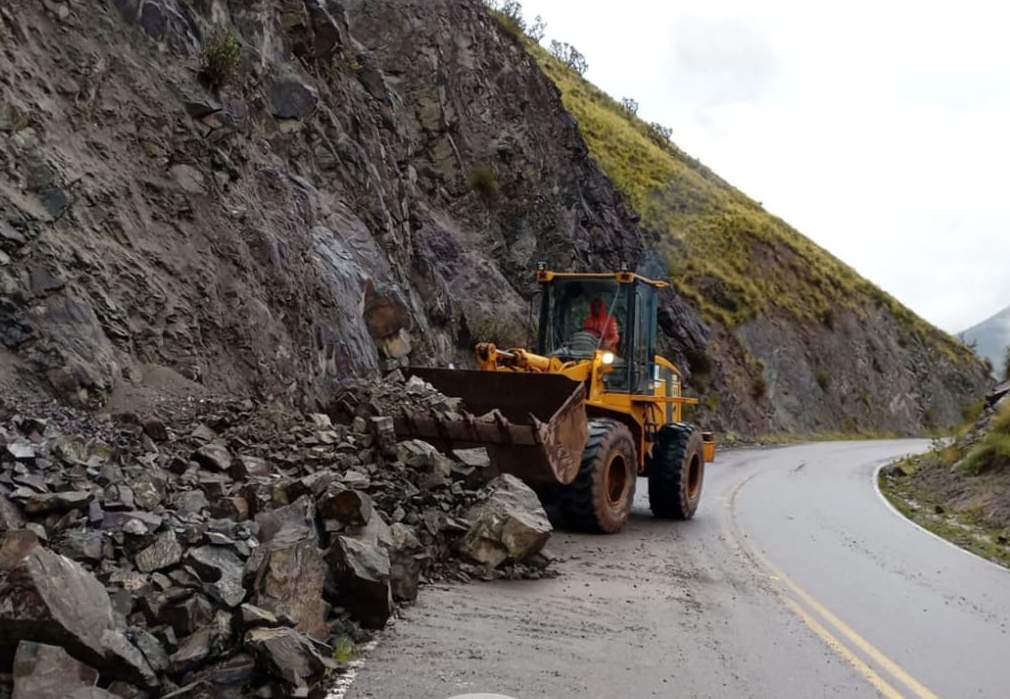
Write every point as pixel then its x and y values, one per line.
pixel 795 579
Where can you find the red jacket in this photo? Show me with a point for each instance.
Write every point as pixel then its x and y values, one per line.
pixel 602 324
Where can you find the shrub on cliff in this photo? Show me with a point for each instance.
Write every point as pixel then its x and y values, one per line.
pixel 221 57
pixel 994 449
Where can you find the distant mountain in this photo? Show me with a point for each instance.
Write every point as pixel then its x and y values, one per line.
pixel 992 337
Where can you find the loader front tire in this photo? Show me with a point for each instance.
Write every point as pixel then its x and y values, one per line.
pixel 676 472
pixel 600 497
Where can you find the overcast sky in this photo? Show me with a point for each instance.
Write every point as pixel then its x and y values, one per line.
pixel 879 129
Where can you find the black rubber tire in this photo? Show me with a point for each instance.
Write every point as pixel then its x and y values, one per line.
pixel 600 497
pixel 676 472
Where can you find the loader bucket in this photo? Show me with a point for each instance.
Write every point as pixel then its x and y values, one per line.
pixel 533 425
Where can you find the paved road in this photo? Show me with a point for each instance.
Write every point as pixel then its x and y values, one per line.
pixel 794 580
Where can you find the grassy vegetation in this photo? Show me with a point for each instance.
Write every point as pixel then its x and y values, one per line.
pixel 994 449
pixel 484 181
pixel 221 57
pixel 726 253
pixel 344 650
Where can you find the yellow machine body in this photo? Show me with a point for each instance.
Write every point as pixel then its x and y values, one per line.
pixel 531 409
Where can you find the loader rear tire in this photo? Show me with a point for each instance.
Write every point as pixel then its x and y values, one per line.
pixel 676 472
pixel 600 497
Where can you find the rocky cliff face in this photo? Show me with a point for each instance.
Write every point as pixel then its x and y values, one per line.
pixel 374 184
pixel 373 187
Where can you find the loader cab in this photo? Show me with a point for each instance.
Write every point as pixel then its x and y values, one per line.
pixel 630 300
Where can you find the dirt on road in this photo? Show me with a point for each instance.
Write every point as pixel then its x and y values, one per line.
pixel 795 579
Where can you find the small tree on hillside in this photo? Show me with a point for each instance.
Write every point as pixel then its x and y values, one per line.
pixel 1006 365
pixel 513 11
pixel 537 30
pixel 570 56
pixel 630 105
pixel 660 134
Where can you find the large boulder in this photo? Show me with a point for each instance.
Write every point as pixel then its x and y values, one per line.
pixel 360 580
pixel 48 598
pixel 221 570
pixel 48 672
pixel 287 655
pixel 289 582
pixel 289 524
pixel 165 552
pixel 510 525
pixel 345 506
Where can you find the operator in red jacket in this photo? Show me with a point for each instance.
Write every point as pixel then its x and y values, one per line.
pixel 602 324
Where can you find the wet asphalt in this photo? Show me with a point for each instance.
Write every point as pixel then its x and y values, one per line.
pixel 795 579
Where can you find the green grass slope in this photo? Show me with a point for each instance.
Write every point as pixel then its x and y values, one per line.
pixel 727 254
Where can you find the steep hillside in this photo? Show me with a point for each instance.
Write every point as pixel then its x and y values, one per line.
pixel 801 341
pixel 350 186
pixel 992 340
pixel 373 181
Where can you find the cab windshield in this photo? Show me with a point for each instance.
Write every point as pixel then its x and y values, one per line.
pixel 580 316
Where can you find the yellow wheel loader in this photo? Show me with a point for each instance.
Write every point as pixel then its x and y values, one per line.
pixel 587 413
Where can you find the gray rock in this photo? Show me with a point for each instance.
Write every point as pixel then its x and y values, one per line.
pixel 155 429
pixel 125 661
pixel 345 506
pixel 245 466
pixel 222 570
pixel 289 524
pixel 510 525
pixel 57 502
pixel 190 502
pixel 134 521
pixel 289 582
pixel 291 98
pixel 287 655
pixel 48 672
pixel 423 457
pixel 147 491
pixel 214 456
pixel 193 652
pixel 152 649
pixel 477 458
pixel 234 508
pixel 235 672
pixel 51 599
pixel 252 616
pixel 93 693
pixel 82 545
pixel 22 450
pixel 360 572
pixel 165 552
pixel 186 616
pixel 10 515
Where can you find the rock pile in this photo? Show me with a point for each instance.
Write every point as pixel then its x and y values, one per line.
pixel 223 548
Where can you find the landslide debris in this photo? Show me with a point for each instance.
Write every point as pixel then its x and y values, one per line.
pixel 224 547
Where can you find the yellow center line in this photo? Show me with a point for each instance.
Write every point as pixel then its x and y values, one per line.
pixel 896 671
pixel 847 655
pixel 871 651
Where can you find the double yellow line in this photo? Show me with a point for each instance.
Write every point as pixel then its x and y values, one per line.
pixel 795 603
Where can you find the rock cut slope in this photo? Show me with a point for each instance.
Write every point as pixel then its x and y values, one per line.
pixel 374 182
pixel 371 187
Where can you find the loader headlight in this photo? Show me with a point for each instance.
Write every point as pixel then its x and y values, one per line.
pixel 607 358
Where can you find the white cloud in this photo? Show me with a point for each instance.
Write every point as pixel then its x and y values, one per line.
pixel 878 129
